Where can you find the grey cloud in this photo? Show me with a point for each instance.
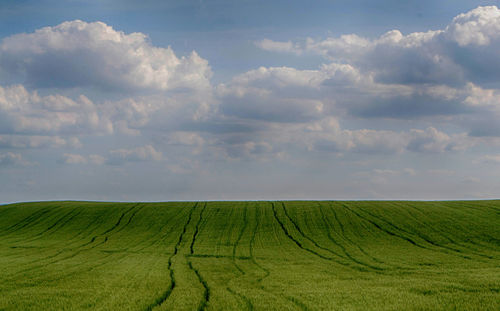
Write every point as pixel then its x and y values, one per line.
pixel 12 159
pixel 139 154
pixel 72 158
pixel 489 158
pixel 276 94
pixel 35 141
pixel 410 106
pixel 327 135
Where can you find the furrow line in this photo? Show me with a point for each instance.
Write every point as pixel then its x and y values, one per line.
pixel 197 229
pixel 61 225
pixel 206 289
pixel 247 301
pixel 306 236
pixel 119 220
pixel 288 235
pixel 252 244
pixel 28 220
pixel 344 236
pixel 349 256
pixel 385 230
pixel 160 300
pixel 420 236
pixel 131 217
pixel 442 233
pixel 238 239
pixel 327 249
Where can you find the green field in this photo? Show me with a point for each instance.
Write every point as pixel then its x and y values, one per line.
pixel 310 255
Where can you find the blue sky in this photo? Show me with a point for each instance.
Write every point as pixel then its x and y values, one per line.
pixel 221 100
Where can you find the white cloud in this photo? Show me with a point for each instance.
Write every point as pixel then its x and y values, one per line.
pixel 139 154
pixel 24 112
pixel 25 141
pixel 464 51
pixel 12 159
pixel 97 159
pixel 480 26
pixel 70 158
pixel 277 46
pixel 490 158
pixel 280 94
pixel 327 135
pixel 428 140
pixel 81 54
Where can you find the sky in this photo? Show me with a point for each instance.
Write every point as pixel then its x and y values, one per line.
pixel 249 100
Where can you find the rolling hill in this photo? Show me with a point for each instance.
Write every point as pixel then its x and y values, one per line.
pixel 294 255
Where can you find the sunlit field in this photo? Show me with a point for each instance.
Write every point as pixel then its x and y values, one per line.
pixel 303 255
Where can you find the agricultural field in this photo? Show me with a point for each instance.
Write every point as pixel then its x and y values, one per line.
pixel 300 255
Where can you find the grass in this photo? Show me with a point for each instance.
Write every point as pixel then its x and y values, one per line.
pixel 307 255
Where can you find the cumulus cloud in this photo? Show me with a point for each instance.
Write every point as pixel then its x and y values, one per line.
pixel 434 141
pixel 25 142
pixel 280 94
pixel 287 94
pixel 139 154
pixel 24 112
pixel 12 159
pixel 72 158
pixel 490 158
pixel 81 54
pixel 464 51
pixel 277 46
pixel 327 135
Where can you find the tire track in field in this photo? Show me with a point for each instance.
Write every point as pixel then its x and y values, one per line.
pixel 345 237
pixel 36 235
pixel 131 217
pixel 348 255
pixel 59 222
pixel 478 211
pixel 160 300
pixel 79 248
pixel 289 236
pixel 385 230
pixel 293 300
pixel 72 238
pixel 481 235
pixel 299 230
pixel 170 230
pixel 252 245
pixel 197 230
pixel 111 230
pixel 119 220
pixel 66 249
pixel 206 289
pixel 403 237
pixel 247 301
pixel 442 233
pixel 454 251
pixel 27 220
pixel 238 239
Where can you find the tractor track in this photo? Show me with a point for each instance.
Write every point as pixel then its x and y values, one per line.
pixel 342 247
pixel 160 300
pixel 298 243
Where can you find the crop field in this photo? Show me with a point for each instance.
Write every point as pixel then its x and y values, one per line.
pixel 300 255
